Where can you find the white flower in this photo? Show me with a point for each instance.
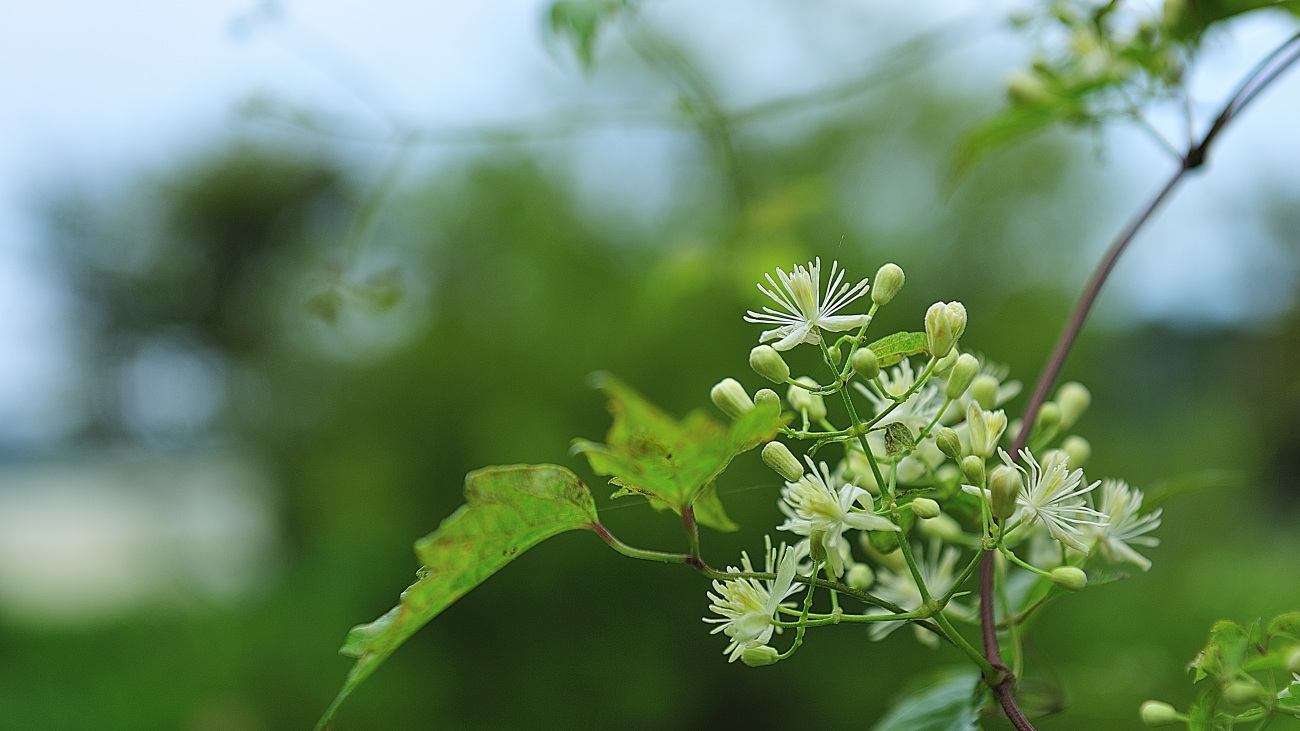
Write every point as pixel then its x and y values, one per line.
pixel 1126 527
pixel 799 295
pixel 814 505
pixel 917 411
pixel 1053 495
pixel 938 572
pixel 984 429
pixel 747 605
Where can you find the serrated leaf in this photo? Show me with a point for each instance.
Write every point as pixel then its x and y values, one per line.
pixel 649 453
pixel 948 700
pixel 508 510
pixel 1285 624
pixel 891 349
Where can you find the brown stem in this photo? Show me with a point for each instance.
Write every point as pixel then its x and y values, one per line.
pixel 1267 71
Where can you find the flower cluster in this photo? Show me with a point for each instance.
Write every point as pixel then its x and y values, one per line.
pixel 919 483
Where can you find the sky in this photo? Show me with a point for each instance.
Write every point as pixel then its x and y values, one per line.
pixel 100 92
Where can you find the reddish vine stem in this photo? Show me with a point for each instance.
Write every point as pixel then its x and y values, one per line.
pixel 1264 74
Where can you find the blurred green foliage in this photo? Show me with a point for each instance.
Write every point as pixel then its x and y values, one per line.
pixel 501 290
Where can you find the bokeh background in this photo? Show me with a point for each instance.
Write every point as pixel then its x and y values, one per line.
pixel 274 277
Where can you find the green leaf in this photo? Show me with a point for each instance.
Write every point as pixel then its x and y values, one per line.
pixel 1201 714
pixel 1225 652
pixel 709 511
pixel 649 453
pixel 508 510
pixel 579 22
pixel 947 700
pixel 891 349
pixel 1285 624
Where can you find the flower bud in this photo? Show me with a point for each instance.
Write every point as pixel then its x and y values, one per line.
pixel 924 507
pixel 963 372
pixel 889 279
pixel 730 397
pixel 1243 692
pixel 973 468
pixel 757 657
pixel 767 396
pixel 769 364
pixel 984 390
pixel 1074 399
pixel 778 456
pixel 945 364
pixel 941 526
pixel 836 355
pixel 801 399
pixel 1047 420
pixel 986 429
pixel 817 546
pixel 1155 713
pixel 882 541
pixel 1005 484
pixel 1070 578
pixel 1293 660
pixel 860 577
pixel 1077 451
pixel 948 443
pixel 944 324
pixel 865 363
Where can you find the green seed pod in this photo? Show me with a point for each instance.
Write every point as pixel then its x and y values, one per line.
pixel 1070 578
pixel 769 364
pixel 963 373
pixel 1155 713
pixel 757 657
pixel 860 577
pixel 1074 399
pixel 948 443
pixel 889 279
pixel 924 507
pixel 730 397
pixel 1005 484
pixel 1077 451
pixel 984 389
pixel 865 363
pixel 973 468
pixel 767 396
pixel 777 456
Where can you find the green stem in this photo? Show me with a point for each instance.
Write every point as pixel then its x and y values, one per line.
pixel 965 574
pixel 1017 561
pixel 640 553
pixel 986 668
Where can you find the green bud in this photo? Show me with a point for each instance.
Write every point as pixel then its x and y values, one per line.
pixel 860 577
pixel 1005 484
pixel 817 546
pixel 1074 399
pixel 777 456
pixel 757 657
pixel 1243 692
pixel 963 372
pixel 769 364
pixel 801 399
pixel 730 397
pixel 883 541
pixel 944 324
pixel 942 527
pixel 1155 713
pixel 924 507
pixel 767 396
pixel 973 467
pixel 984 389
pixel 948 443
pixel 837 355
pixel 1070 578
pixel 889 279
pixel 1048 419
pixel 1293 660
pixel 1077 451
pixel 865 363
pixel 946 363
